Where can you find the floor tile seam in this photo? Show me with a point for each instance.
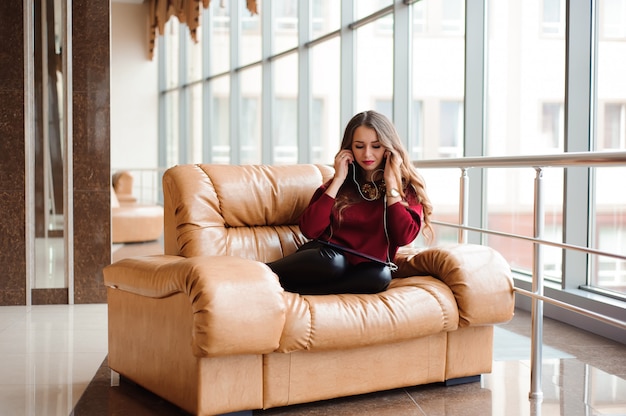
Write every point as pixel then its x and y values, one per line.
pixel 12 325
pixel 414 402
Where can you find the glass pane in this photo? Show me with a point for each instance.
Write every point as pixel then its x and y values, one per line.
pixel 609 229
pixel 194 56
pixel 612 19
pixel 250 50
pixel 416 137
pixel 510 208
pixel 612 120
pixel 172 39
pixel 250 117
pixel 219 47
pixel 451 129
pixel 285 24
pixel 171 128
pixel 326 17
pixel 374 64
pixel 438 79
pixel 325 124
pixel 553 22
pixel 453 16
pixel 526 82
pixel 195 124
pixel 220 120
pixel 442 186
pixel 365 8
pixel 285 111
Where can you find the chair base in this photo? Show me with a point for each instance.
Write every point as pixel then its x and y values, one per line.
pixel 461 380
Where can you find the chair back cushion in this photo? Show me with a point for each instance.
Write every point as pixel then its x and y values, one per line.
pixel 250 211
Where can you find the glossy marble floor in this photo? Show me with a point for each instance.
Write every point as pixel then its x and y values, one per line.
pixel 53 362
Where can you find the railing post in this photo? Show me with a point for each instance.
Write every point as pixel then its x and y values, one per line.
pixel 537 288
pixel 463 204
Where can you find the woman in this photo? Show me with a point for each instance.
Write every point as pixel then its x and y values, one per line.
pixel 375 203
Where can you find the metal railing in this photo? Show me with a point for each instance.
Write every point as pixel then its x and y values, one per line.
pixel 580 159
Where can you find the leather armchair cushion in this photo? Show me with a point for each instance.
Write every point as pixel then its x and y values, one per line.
pixel 248 211
pixel 410 308
pixel 479 277
pixel 237 304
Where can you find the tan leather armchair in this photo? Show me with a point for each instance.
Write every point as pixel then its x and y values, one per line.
pixel 208 327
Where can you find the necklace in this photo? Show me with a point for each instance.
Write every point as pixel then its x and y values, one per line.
pixel 369 191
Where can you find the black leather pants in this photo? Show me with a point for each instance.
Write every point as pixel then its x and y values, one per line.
pixel 316 269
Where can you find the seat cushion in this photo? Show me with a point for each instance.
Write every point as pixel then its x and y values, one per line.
pixel 411 307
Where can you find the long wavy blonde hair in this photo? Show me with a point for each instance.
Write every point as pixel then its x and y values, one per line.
pixel 407 175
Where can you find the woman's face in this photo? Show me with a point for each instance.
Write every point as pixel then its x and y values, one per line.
pixel 368 152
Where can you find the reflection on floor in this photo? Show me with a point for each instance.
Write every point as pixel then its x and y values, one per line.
pixel 53 362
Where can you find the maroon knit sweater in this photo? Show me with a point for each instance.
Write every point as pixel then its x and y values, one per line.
pixel 362 226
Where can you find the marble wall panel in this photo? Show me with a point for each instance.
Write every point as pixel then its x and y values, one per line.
pixel 12 248
pixel 12 159
pixel 91 148
pixel 58 296
pixel 92 244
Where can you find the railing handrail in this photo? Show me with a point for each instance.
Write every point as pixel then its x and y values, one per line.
pixel 587 250
pixel 586 159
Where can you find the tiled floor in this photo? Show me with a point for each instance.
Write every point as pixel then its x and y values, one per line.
pixel 53 362
pixel 48 356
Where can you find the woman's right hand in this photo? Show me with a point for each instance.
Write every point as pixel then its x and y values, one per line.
pixel 342 166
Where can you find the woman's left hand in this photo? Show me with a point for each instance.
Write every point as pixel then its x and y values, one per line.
pixel 392 170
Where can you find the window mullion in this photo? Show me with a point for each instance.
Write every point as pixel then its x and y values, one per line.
pixel 347 71
pixel 183 96
pixel 235 84
pixel 207 94
pixel 578 127
pixel 474 109
pixel 267 91
pixel 402 69
pixel 304 82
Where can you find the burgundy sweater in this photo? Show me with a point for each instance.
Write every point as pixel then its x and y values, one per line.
pixel 362 226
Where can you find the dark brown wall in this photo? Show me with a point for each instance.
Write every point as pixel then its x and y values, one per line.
pixel 92 160
pixel 91 153
pixel 12 160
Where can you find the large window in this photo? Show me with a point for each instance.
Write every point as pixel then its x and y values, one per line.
pixel 280 89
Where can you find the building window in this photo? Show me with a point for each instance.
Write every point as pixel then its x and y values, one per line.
pixel 553 19
pixel 552 122
pixel 286 14
pixel 613 18
pixel 451 129
pixel 610 273
pixel 285 131
pixel 420 22
pixel 614 127
pixel 452 15
pixel 416 140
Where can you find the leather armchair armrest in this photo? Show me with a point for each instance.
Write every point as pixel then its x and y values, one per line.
pixel 479 277
pixel 237 304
